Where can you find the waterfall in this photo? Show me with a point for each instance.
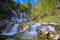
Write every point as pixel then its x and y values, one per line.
pixel 13 19
pixel 33 31
pixel 14 13
pixel 21 15
pixel 43 28
pixel 35 27
pixel 14 16
pixel 12 32
pixel 18 18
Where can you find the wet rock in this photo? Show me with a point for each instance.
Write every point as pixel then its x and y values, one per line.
pixel 3 26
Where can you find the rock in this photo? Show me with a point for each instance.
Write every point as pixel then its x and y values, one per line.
pixel 44 32
pixel 51 35
pixel 3 26
pixel 57 37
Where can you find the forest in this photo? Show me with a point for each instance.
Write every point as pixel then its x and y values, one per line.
pixel 43 11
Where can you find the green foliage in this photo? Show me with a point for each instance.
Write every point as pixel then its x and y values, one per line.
pixel 54 18
pixel 38 11
pixel 25 7
pixel 43 37
pixel 44 8
pixel 5 8
pixel 7 5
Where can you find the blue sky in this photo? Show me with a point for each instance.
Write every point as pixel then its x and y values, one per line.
pixel 23 1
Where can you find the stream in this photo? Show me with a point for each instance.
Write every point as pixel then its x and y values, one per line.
pixel 32 34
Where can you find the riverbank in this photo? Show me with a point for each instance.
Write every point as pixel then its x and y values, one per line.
pixel 51 18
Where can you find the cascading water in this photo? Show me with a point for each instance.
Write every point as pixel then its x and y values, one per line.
pixel 35 27
pixel 13 19
pixel 14 29
pixel 14 13
pixel 51 28
pixel 14 16
pixel 33 31
pixel 18 18
pixel 22 17
pixel 43 28
pixel 12 32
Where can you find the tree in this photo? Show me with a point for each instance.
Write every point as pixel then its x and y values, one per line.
pixel 44 8
pixel 25 7
pixel 5 8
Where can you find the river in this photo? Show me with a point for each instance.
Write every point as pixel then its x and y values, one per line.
pixel 36 32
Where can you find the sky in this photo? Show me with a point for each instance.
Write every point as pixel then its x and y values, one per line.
pixel 24 1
